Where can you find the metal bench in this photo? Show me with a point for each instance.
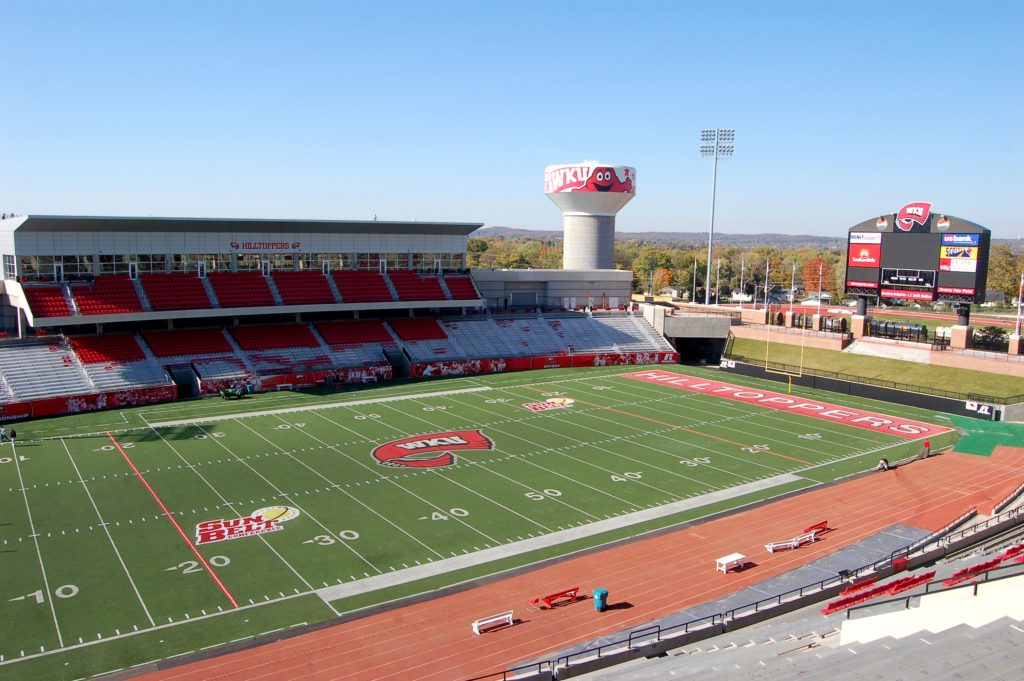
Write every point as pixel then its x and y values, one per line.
pixel 505 617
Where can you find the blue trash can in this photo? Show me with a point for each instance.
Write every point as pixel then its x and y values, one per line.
pixel 600 599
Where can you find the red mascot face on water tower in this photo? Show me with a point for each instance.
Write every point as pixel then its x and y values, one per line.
pixel 605 180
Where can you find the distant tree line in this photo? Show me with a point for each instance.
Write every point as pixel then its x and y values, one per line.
pixel 664 264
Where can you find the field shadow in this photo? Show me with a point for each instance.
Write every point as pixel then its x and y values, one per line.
pixel 624 605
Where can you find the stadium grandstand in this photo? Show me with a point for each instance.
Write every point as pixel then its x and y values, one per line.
pixel 158 308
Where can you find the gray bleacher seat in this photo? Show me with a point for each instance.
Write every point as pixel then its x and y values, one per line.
pixel 144 373
pixel 38 370
pixel 479 338
pixel 531 336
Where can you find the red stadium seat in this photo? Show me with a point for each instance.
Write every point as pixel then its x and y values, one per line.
pixel 117 347
pixel 304 288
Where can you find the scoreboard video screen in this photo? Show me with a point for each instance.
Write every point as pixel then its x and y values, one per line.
pixel 917 255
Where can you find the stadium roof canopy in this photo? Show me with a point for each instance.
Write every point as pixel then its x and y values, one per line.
pixel 70 223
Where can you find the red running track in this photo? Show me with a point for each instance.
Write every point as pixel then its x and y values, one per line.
pixel 648 579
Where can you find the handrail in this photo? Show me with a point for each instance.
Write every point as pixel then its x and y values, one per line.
pixel 994 520
pixel 504 674
pixel 658 631
pixel 972 397
pixel 927 590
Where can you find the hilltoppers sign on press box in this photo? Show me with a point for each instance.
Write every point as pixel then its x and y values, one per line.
pixel 916 254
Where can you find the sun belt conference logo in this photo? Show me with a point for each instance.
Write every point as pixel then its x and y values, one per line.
pixel 913 213
pixel 552 403
pixel 422 451
pixel 260 522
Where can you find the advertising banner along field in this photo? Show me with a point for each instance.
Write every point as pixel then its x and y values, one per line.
pixel 850 416
pixel 488 366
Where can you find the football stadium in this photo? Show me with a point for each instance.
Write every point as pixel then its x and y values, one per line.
pixel 244 449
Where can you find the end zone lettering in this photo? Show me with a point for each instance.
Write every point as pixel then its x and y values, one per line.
pixel 895 425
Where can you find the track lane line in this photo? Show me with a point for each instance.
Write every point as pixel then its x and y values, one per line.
pixel 188 542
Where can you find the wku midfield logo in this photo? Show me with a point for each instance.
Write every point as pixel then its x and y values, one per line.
pixel 416 451
pixel 911 213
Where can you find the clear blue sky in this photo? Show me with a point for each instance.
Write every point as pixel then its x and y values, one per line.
pixel 441 111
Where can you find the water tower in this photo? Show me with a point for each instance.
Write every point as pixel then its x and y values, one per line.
pixel 589 195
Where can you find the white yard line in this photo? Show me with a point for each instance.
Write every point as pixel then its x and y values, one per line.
pixel 349 589
pixel 336 486
pixel 35 539
pixel 230 506
pixel 312 407
pixel 288 497
pixel 471 491
pixel 595 413
pixel 103 524
pixel 158 627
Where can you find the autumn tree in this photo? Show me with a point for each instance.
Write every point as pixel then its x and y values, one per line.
pixel 1004 270
pixel 663 277
pixel 818 275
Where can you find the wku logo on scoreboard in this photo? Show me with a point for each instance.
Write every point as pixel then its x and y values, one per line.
pixel 430 451
pixel 911 214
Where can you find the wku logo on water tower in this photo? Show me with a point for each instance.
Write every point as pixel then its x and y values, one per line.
pixel 421 451
pixel 911 214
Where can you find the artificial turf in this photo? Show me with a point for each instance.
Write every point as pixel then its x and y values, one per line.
pixel 98 577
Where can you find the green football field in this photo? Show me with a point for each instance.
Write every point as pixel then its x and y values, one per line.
pixel 137 536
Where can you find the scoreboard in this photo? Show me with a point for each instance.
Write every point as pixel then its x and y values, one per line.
pixel 915 254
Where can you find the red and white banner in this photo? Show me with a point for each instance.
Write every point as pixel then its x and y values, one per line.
pixel 298 380
pixel 956 290
pixel 862 284
pixel 487 366
pixel 120 398
pixel 858 418
pixel 586 178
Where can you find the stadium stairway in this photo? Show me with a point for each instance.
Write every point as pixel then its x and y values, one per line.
pixel 444 287
pixel 509 344
pixel 240 354
pixel 69 299
pixel 333 285
pixel 272 285
pixel 210 293
pixel 140 291
pixel 325 346
pixel 602 331
pixel 391 287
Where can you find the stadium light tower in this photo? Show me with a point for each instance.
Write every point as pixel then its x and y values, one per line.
pixel 715 144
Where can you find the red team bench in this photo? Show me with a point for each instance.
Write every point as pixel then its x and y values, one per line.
pixel 549 600
pixel 820 527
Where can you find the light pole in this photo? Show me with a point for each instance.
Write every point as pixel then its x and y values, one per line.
pixel 715 144
pixel 743 271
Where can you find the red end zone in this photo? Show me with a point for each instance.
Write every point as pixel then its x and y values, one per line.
pixel 827 412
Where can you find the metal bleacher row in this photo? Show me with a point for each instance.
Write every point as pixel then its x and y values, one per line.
pixel 79 365
pixel 117 294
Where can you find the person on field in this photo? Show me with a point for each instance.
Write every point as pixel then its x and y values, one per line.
pixel 883 465
pixel 925 450
pixel 14 434
pixel 3 433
